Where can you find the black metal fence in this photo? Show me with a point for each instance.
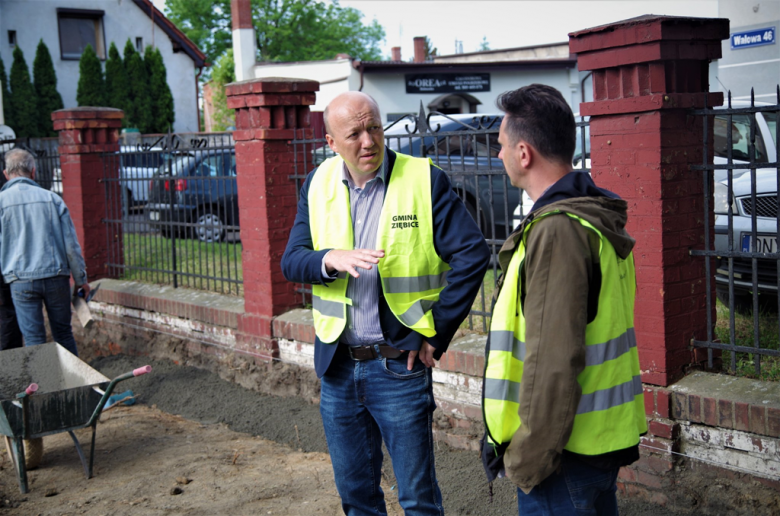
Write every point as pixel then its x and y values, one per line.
pixel 743 255
pixel 174 200
pixel 48 173
pixel 466 148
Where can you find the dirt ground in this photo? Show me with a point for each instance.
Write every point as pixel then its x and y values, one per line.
pixel 197 444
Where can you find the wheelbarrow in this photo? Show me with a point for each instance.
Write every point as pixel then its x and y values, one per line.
pixel 45 390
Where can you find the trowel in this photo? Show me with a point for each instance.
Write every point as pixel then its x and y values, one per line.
pixel 81 304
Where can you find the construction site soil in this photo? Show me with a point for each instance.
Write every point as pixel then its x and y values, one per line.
pixel 198 444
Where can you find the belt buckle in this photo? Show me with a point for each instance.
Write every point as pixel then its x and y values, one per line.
pixel 370 349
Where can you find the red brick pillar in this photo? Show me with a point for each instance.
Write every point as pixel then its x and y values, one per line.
pixel 648 72
pixel 269 114
pixel 86 135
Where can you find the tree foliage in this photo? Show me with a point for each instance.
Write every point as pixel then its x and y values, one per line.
pixel 45 82
pixel 161 96
pixel 484 45
pixel 23 103
pixel 224 72
pixel 139 112
pixel 117 84
pixel 6 90
pixel 91 90
pixel 430 50
pixel 286 30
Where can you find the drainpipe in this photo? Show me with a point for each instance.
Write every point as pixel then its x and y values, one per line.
pixel 360 68
pixel 197 94
pixel 582 86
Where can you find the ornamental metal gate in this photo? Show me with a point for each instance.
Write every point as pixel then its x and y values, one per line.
pixel 174 200
pixel 741 236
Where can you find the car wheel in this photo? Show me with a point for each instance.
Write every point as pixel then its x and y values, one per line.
pixel 209 225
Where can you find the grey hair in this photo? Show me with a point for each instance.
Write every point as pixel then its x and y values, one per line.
pixel 19 162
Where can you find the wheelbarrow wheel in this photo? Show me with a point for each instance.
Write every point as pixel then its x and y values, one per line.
pixel 33 452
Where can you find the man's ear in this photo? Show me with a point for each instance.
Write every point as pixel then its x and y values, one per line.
pixel 5 173
pixel 525 154
pixel 331 143
pixel 32 174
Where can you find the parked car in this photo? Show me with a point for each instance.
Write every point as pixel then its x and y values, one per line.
pixel 136 168
pixel 743 239
pixel 194 193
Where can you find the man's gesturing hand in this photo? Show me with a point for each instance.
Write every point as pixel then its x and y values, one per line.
pixel 349 261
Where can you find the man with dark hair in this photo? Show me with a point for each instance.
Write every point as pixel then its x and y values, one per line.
pixel 395 261
pixel 38 252
pixel 562 394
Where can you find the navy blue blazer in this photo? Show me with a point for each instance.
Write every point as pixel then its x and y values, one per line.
pixel 457 240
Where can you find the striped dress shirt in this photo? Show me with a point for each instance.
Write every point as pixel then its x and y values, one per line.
pixel 366 205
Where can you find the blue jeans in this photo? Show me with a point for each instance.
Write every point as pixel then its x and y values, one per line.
pixel 363 403
pixel 30 297
pixel 577 489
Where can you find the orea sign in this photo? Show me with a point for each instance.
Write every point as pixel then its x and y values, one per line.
pixel 447 82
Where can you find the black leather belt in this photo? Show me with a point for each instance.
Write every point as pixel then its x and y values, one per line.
pixel 360 353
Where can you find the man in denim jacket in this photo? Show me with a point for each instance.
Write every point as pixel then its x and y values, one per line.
pixel 38 252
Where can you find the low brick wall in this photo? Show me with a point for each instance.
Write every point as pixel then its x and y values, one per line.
pixel 713 440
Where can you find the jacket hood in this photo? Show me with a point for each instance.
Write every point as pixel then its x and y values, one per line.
pixel 576 193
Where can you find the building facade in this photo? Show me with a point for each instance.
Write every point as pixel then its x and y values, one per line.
pixel 67 26
pixel 460 83
pixel 751 56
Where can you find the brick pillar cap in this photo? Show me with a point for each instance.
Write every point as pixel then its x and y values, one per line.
pixel 271 85
pixel 648 28
pixel 87 112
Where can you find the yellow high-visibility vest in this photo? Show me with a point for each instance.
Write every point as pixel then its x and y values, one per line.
pixel 412 273
pixel 610 415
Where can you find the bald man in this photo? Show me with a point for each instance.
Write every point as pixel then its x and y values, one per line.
pixel 395 262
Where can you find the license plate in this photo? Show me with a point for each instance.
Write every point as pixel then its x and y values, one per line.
pixel 154 215
pixel 765 243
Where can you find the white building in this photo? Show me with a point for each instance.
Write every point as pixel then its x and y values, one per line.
pixel 460 83
pixel 67 26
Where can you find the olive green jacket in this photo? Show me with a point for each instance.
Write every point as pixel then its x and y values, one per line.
pixel 556 281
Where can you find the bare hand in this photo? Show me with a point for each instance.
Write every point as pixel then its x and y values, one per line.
pixel 426 356
pixel 350 261
pixel 85 288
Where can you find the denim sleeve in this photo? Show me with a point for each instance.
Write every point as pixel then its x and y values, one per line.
pixel 72 248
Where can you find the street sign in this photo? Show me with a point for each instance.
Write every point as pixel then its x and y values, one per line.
pixel 753 38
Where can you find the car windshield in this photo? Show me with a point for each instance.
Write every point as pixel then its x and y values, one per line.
pixel 771 121
pixel 740 138
pixel 178 163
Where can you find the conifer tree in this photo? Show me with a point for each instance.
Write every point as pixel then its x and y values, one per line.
pixel 45 82
pixel 128 51
pixel 140 110
pixel 91 90
pixel 6 89
pixel 23 104
pixel 117 84
pixel 161 96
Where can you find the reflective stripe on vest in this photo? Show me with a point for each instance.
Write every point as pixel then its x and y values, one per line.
pixel 610 415
pixel 412 273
